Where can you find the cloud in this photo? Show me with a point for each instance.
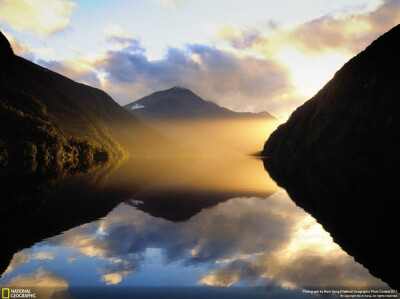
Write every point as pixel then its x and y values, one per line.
pixel 309 259
pixel 263 242
pixel 260 242
pixel 38 17
pixel 348 32
pixel 239 83
pixel 43 256
pixel 312 51
pixel 269 67
pixel 23 257
pixel 307 269
pixel 117 269
pixel 18 259
pixel 241 39
pixel 79 70
pixel 44 283
pixel 112 278
pixel 116 31
pixel 171 3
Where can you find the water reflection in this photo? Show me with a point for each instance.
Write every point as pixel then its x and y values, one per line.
pixel 244 241
pixel 247 234
pixel 356 202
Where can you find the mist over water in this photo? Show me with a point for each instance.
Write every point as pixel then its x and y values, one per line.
pixel 217 137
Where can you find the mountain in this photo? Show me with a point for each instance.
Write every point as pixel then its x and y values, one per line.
pixel 47 118
pixel 182 103
pixel 203 126
pixel 355 115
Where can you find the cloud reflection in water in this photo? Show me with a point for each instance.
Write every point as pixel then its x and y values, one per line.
pixel 244 241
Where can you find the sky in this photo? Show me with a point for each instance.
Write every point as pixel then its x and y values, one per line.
pixel 246 55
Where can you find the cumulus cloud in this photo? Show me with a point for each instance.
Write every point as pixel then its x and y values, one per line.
pixel 235 82
pixel 239 83
pixel 39 17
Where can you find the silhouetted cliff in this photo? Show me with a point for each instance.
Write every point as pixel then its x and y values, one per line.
pixel 356 114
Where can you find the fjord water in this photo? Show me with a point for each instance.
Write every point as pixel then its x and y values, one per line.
pixel 194 227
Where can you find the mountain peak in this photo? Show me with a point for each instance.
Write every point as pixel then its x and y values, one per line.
pixel 176 87
pixel 182 103
pixel 5 47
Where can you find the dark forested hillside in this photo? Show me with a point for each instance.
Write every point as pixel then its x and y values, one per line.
pixel 356 115
pixel 338 156
pixel 47 118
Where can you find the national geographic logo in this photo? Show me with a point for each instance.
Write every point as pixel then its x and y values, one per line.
pixel 7 293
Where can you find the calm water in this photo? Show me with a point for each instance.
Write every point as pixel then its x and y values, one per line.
pixel 217 228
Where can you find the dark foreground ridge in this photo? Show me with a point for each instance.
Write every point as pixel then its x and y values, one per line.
pixel 48 120
pixel 355 115
pixel 338 156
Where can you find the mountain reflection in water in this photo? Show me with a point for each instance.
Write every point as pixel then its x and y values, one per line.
pixel 195 224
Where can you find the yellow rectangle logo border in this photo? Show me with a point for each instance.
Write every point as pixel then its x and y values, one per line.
pixel 4 290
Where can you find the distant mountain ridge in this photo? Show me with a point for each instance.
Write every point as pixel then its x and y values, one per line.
pixel 202 126
pixel 182 103
pixel 355 115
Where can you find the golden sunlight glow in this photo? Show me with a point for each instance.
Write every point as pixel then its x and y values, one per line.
pixel 231 174
pixel 196 58
pixel 219 137
pixel 355 26
pixel 310 234
pixel 311 73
